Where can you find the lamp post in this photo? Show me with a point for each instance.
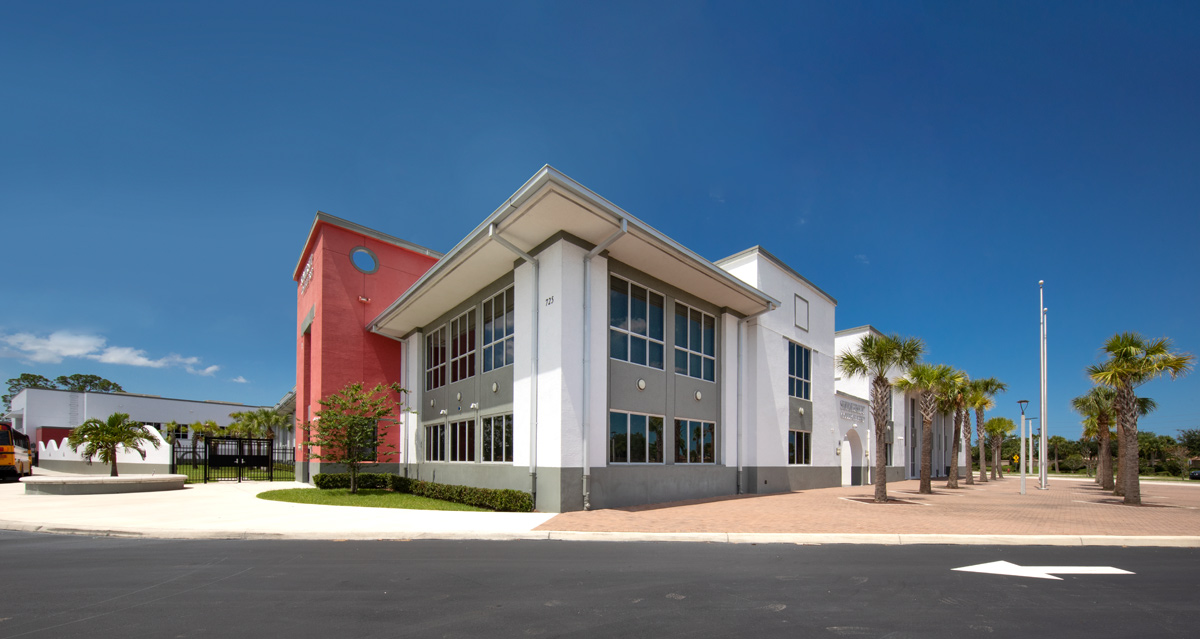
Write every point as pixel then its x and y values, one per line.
pixel 1021 460
pixel 1032 444
pixel 1042 475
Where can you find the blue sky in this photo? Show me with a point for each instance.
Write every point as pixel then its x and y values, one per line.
pixel 925 163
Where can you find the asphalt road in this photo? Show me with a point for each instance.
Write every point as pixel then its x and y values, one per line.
pixel 76 586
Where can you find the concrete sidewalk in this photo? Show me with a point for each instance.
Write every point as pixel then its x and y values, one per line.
pixel 1071 513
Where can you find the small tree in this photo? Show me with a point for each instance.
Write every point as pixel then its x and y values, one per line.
pixel 100 439
pixel 1178 456
pixel 997 428
pixel 1074 462
pixel 347 431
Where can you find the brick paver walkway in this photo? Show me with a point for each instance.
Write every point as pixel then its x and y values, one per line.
pixel 1070 507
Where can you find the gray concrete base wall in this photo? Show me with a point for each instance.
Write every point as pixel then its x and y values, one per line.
pixel 893 473
pixel 621 486
pixel 781 479
pixel 96 468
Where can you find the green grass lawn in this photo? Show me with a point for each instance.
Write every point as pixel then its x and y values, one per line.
pixel 368 498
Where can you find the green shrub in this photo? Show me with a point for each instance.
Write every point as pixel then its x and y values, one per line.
pixel 502 500
pixel 327 481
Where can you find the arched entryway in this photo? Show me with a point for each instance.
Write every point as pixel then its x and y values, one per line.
pixel 851 452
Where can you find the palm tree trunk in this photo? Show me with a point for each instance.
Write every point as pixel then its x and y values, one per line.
pixel 881 391
pixel 926 454
pixel 952 478
pixel 113 472
pixel 1104 470
pixel 1119 484
pixel 1129 444
pixel 997 469
pixel 967 446
pixel 982 455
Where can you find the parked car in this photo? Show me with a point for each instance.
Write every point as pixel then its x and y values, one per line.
pixel 1195 474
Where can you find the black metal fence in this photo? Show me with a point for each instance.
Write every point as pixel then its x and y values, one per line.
pixel 234 459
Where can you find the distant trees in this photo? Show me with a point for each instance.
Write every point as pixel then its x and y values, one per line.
pixel 261 424
pixel 100 439
pixel 76 383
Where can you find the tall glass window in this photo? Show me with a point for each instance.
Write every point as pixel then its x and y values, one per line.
pixel 435 443
pixel 695 343
pixel 635 321
pixel 462 346
pixel 435 359
pixel 635 438
pixel 462 441
pixel 498 438
pixel 695 442
pixel 498 330
pixel 799 447
pixel 799 371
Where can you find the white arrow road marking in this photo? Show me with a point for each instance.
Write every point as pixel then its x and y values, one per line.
pixel 1041 572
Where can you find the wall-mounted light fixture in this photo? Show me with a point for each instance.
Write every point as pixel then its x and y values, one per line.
pixel 641 384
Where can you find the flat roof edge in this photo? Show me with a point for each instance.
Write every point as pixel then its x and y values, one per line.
pixel 758 249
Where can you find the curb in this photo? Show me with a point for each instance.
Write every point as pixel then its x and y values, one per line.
pixel 582 536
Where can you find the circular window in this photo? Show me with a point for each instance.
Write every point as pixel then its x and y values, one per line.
pixel 364 260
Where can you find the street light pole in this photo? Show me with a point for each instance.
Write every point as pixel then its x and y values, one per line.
pixel 1032 445
pixel 1042 475
pixel 1021 458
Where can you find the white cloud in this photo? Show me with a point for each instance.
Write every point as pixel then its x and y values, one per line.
pixel 862 259
pixel 52 349
pixel 62 344
pixel 239 379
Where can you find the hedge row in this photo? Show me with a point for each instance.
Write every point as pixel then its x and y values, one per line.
pixel 326 481
pixel 502 500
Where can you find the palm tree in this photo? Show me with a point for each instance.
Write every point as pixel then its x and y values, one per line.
pixel 983 392
pixel 1132 361
pixel 924 380
pixel 997 428
pixel 1096 408
pixel 952 397
pixel 100 439
pixel 874 358
pixel 1056 441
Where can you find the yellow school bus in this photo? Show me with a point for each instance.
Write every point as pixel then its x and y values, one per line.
pixel 14 453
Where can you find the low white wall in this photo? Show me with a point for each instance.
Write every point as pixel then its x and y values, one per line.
pixel 60 451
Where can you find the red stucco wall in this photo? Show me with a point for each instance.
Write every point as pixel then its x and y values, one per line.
pixel 340 350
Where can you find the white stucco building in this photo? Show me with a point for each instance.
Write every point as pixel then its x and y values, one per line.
pixel 47 417
pixel 856 424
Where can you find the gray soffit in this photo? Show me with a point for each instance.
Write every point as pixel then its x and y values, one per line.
pixel 549 203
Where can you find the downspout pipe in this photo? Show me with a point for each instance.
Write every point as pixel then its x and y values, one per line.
pixel 741 373
pixel 587 352
pixel 494 234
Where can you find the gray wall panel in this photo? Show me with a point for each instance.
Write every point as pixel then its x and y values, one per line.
pixel 620 486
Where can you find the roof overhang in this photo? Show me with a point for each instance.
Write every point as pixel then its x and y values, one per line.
pixel 547 205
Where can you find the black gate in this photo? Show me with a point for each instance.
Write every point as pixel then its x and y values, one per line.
pixel 234 459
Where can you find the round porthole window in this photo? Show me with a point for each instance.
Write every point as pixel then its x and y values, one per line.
pixel 364 260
